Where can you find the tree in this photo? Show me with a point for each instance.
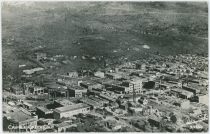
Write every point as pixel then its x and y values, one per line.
pixel 40 122
pixel 57 121
pixel 173 117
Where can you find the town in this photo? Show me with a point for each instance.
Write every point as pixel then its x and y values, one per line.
pixel 158 94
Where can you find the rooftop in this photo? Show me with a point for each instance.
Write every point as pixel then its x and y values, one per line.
pixel 71 107
pixel 64 102
pixel 104 80
pixel 19 116
pixel 76 87
pixel 184 92
pixel 194 85
pixel 54 85
pixel 44 109
pixel 155 118
pixel 133 80
pixel 89 83
pixel 28 104
pixel 90 102
pixel 63 124
pixel 98 99
pixel 114 74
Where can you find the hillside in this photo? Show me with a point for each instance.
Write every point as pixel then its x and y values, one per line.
pixel 109 29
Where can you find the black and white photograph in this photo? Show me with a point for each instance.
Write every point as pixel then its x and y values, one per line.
pixel 104 66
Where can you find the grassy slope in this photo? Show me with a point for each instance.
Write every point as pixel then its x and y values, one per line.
pixel 101 27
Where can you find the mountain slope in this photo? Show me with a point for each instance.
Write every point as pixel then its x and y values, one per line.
pixel 109 29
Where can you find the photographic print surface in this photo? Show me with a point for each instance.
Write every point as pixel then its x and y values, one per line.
pixel 105 66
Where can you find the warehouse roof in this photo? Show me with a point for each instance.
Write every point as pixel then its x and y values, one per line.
pixel 71 107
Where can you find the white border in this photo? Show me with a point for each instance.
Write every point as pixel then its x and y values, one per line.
pixel 107 0
pixel 1 123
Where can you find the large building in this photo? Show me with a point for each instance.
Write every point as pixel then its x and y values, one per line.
pixel 134 85
pixel 118 88
pixel 195 88
pixel 76 91
pixel 62 127
pixel 16 89
pixel 113 76
pixel 20 120
pixel 69 111
pixel 40 56
pixel 26 87
pixel 182 93
pixel 90 85
pixel 92 103
pixel 72 74
pixel 99 74
pixel 62 103
pixel 37 90
pixel 184 104
pixel 43 112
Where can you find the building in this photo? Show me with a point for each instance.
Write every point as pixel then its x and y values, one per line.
pixel 40 56
pixel 182 93
pixel 113 125
pixel 90 85
pixel 141 66
pixel 204 99
pixel 27 105
pixel 192 87
pixel 124 106
pixel 62 103
pixel 92 103
pixel 43 112
pixel 143 101
pixel 128 65
pixel 136 109
pixel 20 121
pixel 16 89
pixel 176 83
pixel 184 104
pixel 130 97
pixel 26 87
pixel 55 90
pixel 166 85
pixel 76 91
pixel 37 90
pixel 203 74
pixel 72 74
pixel 134 85
pixel 69 111
pixel 33 70
pixel 154 121
pixel 99 100
pixel 95 102
pixel 23 65
pixel 63 126
pixel 118 88
pixel 99 74
pixel 113 76
pixel 107 97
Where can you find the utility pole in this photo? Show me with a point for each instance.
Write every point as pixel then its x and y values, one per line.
pixel 55 94
pixel 134 94
pixel 67 94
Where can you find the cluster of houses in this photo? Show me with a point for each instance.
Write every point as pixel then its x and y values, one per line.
pixel 151 88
